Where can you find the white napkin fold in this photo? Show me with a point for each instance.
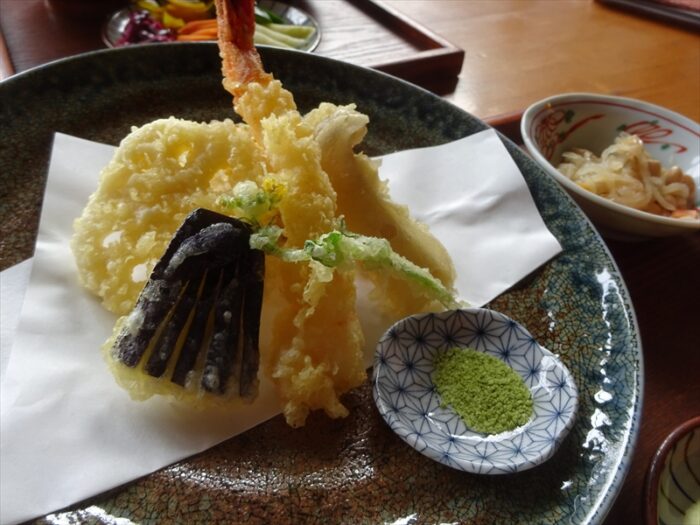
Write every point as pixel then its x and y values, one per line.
pixel 67 431
pixel 13 284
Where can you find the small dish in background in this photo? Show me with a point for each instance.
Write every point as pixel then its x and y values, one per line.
pixel 560 123
pixel 673 480
pixel 407 399
pixel 116 26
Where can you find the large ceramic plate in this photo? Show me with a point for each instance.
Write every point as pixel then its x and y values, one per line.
pixel 354 470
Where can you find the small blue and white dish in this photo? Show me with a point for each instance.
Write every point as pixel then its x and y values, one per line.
pixel 408 400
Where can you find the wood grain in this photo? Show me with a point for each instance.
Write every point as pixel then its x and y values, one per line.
pixel 519 51
pixel 663 279
pixel 35 34
pixel 370 33
pixel 364 32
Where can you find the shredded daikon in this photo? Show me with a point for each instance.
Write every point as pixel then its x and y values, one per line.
pixel 625 173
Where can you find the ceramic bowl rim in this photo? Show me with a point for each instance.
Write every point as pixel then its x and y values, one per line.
pixel 633 104
pixel 656 467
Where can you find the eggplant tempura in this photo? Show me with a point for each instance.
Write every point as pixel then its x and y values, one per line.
pixel 297 182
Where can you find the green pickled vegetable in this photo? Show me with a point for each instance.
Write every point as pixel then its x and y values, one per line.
pixel 263 34
pixel 303 32
pixel 265 16
pixel 272 30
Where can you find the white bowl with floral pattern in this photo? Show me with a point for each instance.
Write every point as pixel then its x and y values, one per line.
pixel 560 123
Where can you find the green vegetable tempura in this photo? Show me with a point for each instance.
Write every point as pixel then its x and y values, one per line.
pixel 485 392
pixel 335 249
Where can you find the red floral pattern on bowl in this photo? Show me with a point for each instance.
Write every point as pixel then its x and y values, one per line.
pixel 590 121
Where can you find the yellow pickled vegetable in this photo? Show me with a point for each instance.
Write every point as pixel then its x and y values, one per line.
pixel 189 10
pixel 172 22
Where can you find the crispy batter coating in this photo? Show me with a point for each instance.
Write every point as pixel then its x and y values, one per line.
pixel 311 339
pixel 159 174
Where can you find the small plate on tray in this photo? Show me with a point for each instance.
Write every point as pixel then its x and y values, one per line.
pixel 354 470
pixel 116 24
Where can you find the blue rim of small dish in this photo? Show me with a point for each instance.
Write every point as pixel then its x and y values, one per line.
pixel 408 400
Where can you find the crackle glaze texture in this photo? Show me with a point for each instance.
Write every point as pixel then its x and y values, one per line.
pixel 354 470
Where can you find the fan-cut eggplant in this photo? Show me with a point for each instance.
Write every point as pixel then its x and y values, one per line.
pixel 197 320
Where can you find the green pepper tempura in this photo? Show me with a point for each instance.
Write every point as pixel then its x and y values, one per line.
pixel 339 248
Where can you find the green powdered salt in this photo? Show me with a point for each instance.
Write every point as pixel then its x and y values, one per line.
pixel 486 393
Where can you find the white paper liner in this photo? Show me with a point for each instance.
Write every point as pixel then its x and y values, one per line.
pixel 69 432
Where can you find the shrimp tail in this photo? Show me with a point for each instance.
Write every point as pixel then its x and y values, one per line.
pixel 241 63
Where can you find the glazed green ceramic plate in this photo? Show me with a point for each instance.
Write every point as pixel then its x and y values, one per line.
pixel 354 470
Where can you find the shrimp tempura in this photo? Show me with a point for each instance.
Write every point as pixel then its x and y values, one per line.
pixel 311 340
pixel 316 350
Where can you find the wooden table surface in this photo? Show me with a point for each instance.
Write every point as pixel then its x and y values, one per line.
pixel 517 52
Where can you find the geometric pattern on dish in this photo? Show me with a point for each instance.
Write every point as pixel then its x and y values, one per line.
pixel 679 482
pixel 408 401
